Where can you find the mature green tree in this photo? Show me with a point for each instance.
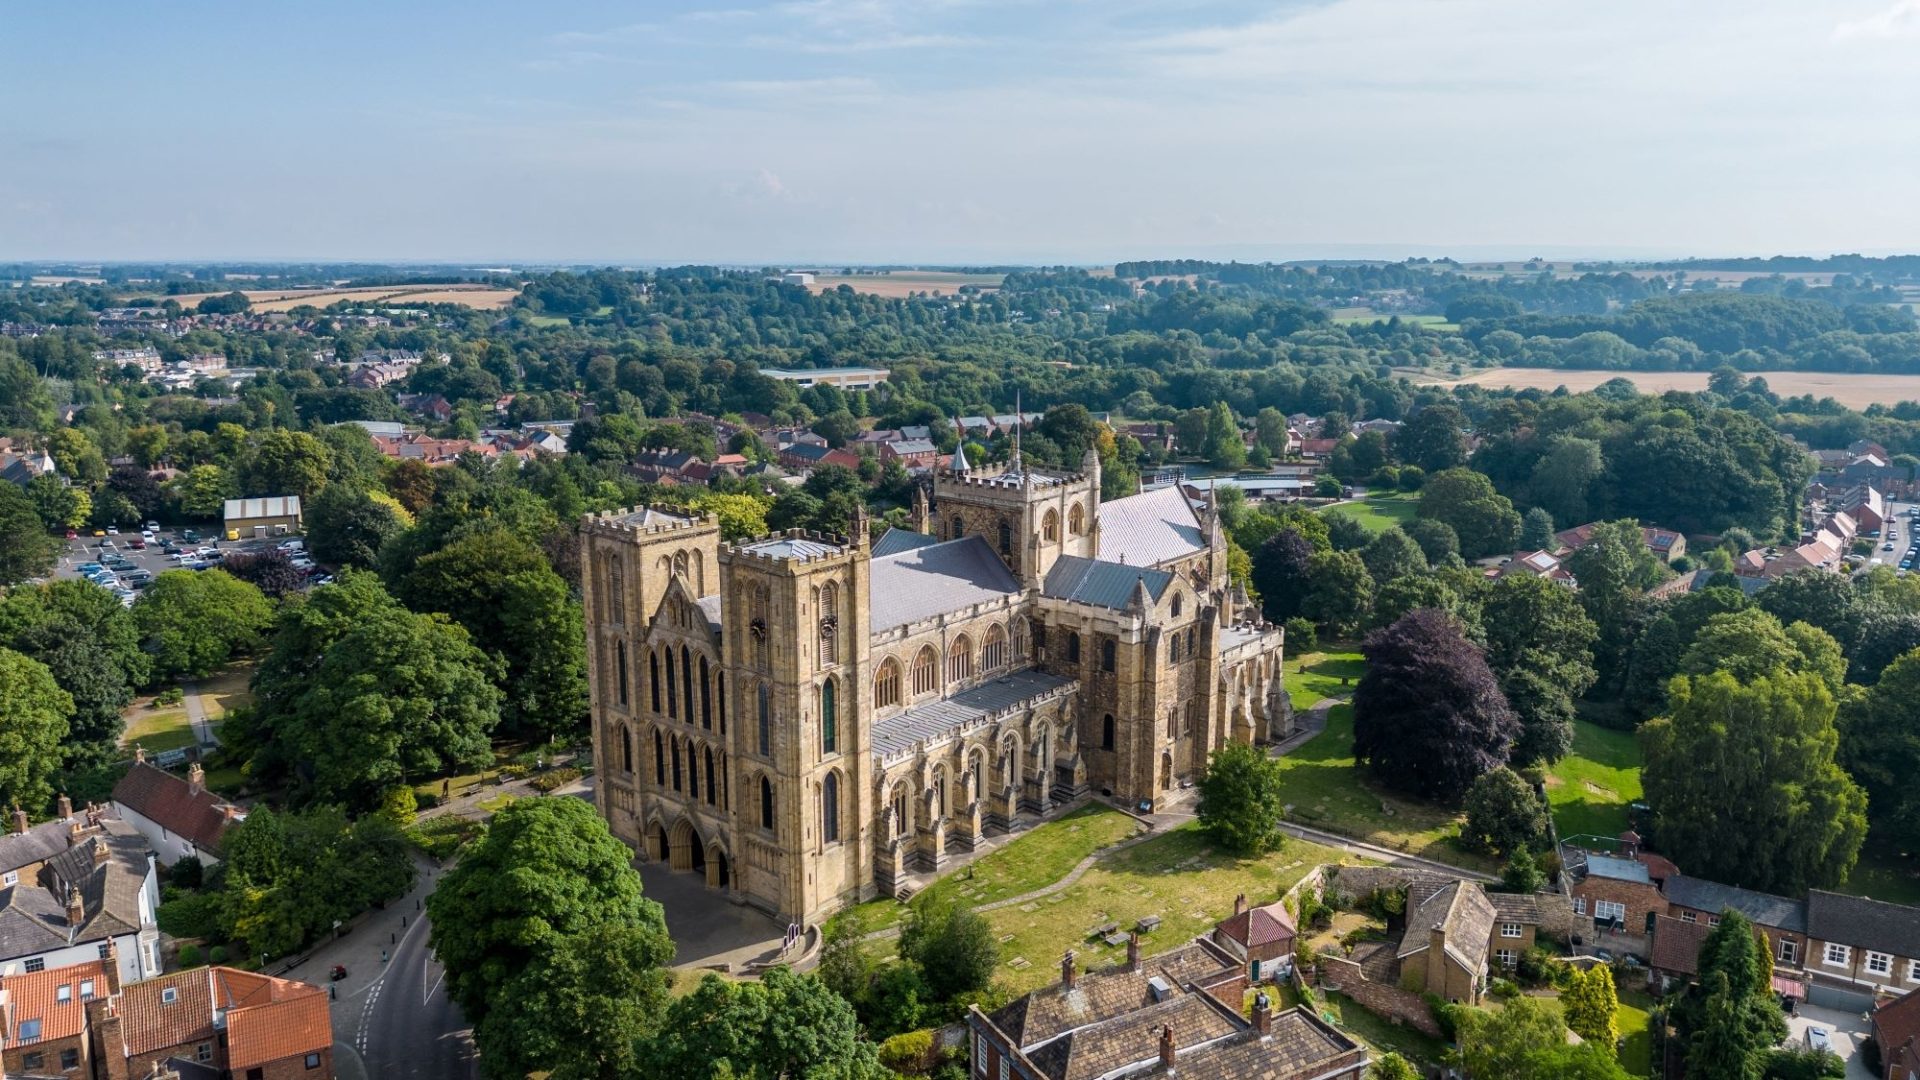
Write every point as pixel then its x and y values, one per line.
pixel 77 456
pixel 27 550
pixel 202 492
pixel 1589 1006
pixel 1760 803
pixel 1657 650
pixel 1536 531
pixel 92 676
pixel 346 527
pixel 1270 430
pixel 576 1011
pixel 1345 533
pixel 1564 475
pixel 1340 592
pixel 784 1026
pixel 1437 540
pixel 1880 747
pixel 1464 500
pixel 1391 1066
pixel 1434 590
pixel 1435 438
pixel 1242 801
pixel 1614 569
pixel 194 621
pixel 1828 601
pixel 1750 643
pixel 519 611
pixel 1522 873
pixel 1728 1019
pixel 1282 574
pixel 1540 644
pixel 285 462
pixel 1428 715
pixel 546 870
pixel 33 722
pixel 1503 813
pixel 953 946
pixel 1224 447
pixel 289 877
pixel 59 504
pixel 1525 1040
pixel 1392 555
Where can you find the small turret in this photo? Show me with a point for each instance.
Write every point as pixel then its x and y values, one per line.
pixel 922 513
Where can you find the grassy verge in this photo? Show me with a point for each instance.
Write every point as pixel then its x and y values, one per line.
pixel 1591 788
pixel 1636 1047
pixel 1312 677
pixel 1377 512
pixel 167 729
pixel 226 690
pixel 1178 877
pixel 1326 790
pixel 1040 857
pixel 1378 1032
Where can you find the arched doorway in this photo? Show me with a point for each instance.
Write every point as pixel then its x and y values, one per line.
pixel 657 843
pixel 1166 772
pixel 684 849
pixel 719 871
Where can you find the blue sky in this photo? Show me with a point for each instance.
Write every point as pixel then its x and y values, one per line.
pixel 957 130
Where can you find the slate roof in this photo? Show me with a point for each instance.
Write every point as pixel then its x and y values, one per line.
pixel 1676 944
pixel 1765 909
pixel 938 719
pixel 1463 911
pixel 1102 995
pixel 895 541
pixel 33 913
pixel 1101 583
pixel 1516 907
pixel 935 579
pixel 1606 866
pixel 38 844
pixel 791 547
pixel 1150 528
pixel 710 607
pixel 647 516
pixel 1864 924
pixel 1302 1045
pixel 170 802
pixel 1262 925
pixel 1101 1049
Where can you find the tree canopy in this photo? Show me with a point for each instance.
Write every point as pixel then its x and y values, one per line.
pixel 1428 716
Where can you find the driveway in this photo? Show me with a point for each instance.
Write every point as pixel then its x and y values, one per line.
pixel 1848 1030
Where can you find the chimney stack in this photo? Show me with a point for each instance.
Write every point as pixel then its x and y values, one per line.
pixel 139 754
pixel 110 964
pixel 75 830
pixel 1240 904
pixel 196 778
pixel 1133 951
pixel 100 851
pixel 1066 971
pixel 76 907
pixel 1166 1047
pixel 66 806
pixel 1262 1014
pixel 19 820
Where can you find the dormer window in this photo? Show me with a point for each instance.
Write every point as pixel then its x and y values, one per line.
pixel 169 995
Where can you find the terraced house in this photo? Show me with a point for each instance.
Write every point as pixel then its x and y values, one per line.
pixel 807 719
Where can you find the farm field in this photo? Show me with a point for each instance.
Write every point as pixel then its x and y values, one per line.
pixel 1856 391
pixel 1345 316
pixel 902 283
pixel 482 297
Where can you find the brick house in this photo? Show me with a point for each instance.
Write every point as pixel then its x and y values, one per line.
pixel 1618 894
pixel 912 453
pixel 1177 1013
pixel 43 1018
pixel 1260 937
pixel 1896 1027
pixel 1859 950
pixel 237 1023
pixel 1699 901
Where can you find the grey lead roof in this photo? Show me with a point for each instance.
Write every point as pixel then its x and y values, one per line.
pixel 1765 909
pixel 791 547
pixel 922 582
pixel 710 606
pixel 895 541
pixel 1101 583
pixel 1606 866
pixel 1149 529
pixel 939 719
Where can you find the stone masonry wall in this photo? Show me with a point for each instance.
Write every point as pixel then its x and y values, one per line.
pixel 1394 1004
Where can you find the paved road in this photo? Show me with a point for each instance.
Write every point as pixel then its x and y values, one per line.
pixel 409 1027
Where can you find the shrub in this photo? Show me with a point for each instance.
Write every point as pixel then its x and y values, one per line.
pixel 172 695
pixel 1444 1014
pixel 1805 1063
pixel 188 873
pixel 1412 477
pixel 195 915
pixel 217 954
pixel 1302 636
pixel 1503 988
pixel 399 805
pixel 908 1052
pixel 189 956
pixel 553 779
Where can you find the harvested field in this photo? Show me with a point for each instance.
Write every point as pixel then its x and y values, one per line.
pixel 482 297
pixel 1853 391
pixel 902 283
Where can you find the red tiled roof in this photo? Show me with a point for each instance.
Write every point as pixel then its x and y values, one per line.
pixel 1259 926
pixel 270 1019
pixel 1676 944
pixel 150 1022
pixel 170 802
pixel 1897 1025
pixel 36 996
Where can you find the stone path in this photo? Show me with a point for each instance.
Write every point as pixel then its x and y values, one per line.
pixel 197 714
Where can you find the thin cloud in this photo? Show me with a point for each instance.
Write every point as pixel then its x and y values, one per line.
pixel 1899 21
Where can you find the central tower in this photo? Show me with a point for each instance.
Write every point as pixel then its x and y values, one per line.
pixel 1029 517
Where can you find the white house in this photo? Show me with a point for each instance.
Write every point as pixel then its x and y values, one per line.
pixel 81 887
pixel 179 817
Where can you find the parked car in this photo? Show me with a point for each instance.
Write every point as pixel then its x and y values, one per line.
pixel 139 543
pixel 153 526
pixel 99 532
pixel 72 535
pixel 291 546
pixel 1819 1038
pixel 113 530
pixel 189 536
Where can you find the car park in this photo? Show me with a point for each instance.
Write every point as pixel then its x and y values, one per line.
pixel 153 526
pixel 139 543
pixel 71 535
pixel 113 530
pixel 189 536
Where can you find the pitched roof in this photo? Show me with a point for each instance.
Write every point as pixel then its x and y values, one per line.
pixel 149 1021
pixel 1301 1045
pixel 35 998
pixel 938 719
pixel 1676 944
pixel 923 582
pixel 172 803
pixel 269 1019
pixel 1462 910
pixel 1897 1025
pixel 1262 925
pixel 1101 583
pixel 1149 528
pixel 1101 995
pixel 1606 866
pixel 1764 909
pixel 1102 1048
pixel 791 547
pixel 894 541
pixel 1864 924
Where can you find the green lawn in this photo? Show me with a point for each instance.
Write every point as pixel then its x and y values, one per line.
pixel 1327 791
pixel 1591 787
pixel 166 729
pixel 1034 860
pixel 1376 512
pixel 1630 1016
pixel 1313 676
pixel 1178 876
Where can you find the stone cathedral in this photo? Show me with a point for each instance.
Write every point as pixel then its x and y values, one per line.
pixel 806 720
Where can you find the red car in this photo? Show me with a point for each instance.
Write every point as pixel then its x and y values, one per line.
pixel 71 535
pixel 137 544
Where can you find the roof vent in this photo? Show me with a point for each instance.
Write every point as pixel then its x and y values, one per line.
pixel 1160 987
